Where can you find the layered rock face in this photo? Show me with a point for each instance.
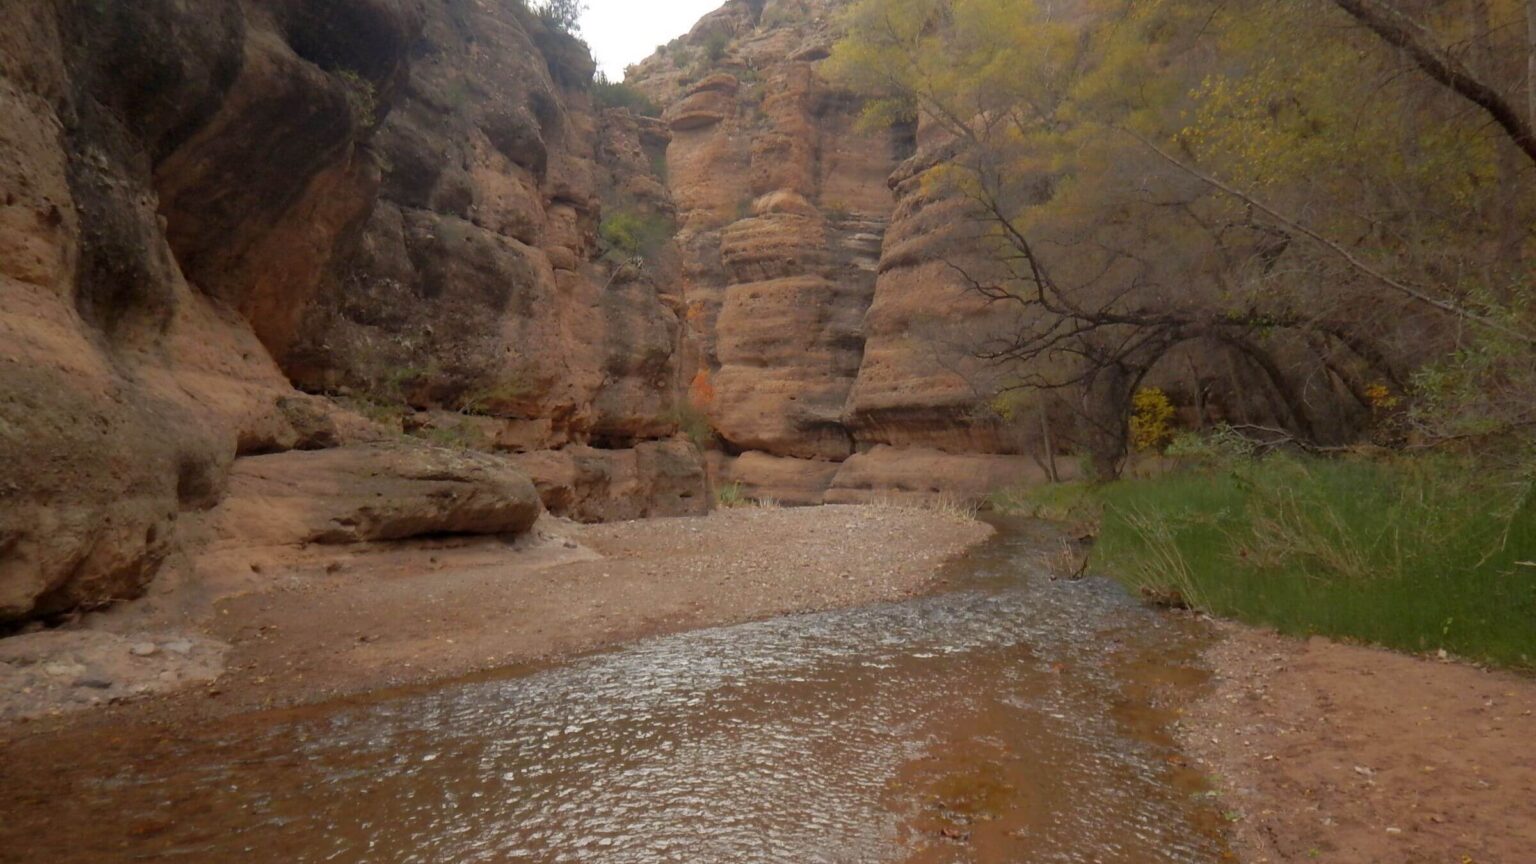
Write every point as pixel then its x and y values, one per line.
pixel 472 287
pixel 815 289
pixel 258 256
pixel 386 201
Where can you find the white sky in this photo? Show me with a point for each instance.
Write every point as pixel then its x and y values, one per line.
pixel 622 32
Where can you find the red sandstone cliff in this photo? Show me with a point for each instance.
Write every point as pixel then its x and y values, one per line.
pixel 388 202
pixel 238 233
pixel 824 315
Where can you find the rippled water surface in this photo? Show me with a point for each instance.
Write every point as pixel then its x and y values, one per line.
pixel 1013 719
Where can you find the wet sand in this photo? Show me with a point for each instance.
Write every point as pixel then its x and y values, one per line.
pixel 307 625
pixel 1325 752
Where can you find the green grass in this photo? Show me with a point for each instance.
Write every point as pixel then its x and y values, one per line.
pixel 1417 554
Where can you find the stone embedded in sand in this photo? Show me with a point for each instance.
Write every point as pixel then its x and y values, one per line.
pixel 373 492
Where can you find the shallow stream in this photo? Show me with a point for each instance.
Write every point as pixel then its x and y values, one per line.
pixel 1010 719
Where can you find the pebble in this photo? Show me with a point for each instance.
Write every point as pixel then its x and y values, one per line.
pixel 94 683
pixel 180 646
pixel 144 649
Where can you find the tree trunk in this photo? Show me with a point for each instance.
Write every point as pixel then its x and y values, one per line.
pixel 1530 62
pixel 1048 443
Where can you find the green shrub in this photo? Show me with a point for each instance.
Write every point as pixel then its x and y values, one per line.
pixel 562 15
pixel 385 413
pixel 1222 447
pixel 732 495
pixel 1419 554
pixel 496 396
pixel 715 45
pixel 617 94
pixel 630 234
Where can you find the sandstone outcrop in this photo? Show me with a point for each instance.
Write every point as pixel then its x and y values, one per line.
pixel 243 236
pixel 825 316
pixel 762 477
pixel 125 391
pixel 908 475
pixel 658 478
pixel 372 493
pixel 389 203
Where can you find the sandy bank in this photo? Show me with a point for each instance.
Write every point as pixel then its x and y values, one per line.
pixel 1338 753
pixel 286 626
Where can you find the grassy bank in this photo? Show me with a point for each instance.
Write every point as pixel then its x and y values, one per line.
pixel 1415 554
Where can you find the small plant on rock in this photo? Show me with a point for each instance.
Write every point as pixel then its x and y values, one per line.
pixel 714 47
pixel 730 495
pixel 362 98
pixel 629 234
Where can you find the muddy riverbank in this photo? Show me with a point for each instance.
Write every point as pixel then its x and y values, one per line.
pixel 280 627
pixel 1343 754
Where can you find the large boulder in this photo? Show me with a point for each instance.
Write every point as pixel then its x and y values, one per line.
pixel 373 492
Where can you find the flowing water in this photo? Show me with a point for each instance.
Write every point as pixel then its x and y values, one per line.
pixel 1013 719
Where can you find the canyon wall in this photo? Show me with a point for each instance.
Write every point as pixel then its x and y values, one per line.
pixel 824 317
pixel 285 272
pixel 391 204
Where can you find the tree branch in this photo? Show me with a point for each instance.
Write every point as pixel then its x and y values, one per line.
pixel 1398 30
pixel 1349 257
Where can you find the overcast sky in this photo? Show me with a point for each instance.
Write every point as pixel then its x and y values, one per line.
pixel 622 32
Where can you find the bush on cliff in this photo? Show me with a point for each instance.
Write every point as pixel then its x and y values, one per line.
pixel 617 94
pixel 628 234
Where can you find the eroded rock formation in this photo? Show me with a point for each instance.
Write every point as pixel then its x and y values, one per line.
pixel 389 203
pixel 816 291
pixel 265 255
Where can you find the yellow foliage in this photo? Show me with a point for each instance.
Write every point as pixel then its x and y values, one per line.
pixel 1151 419
pixel 1292 103
pixel 1380 398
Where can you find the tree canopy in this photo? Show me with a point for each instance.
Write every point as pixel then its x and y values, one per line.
pixel 1332 194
